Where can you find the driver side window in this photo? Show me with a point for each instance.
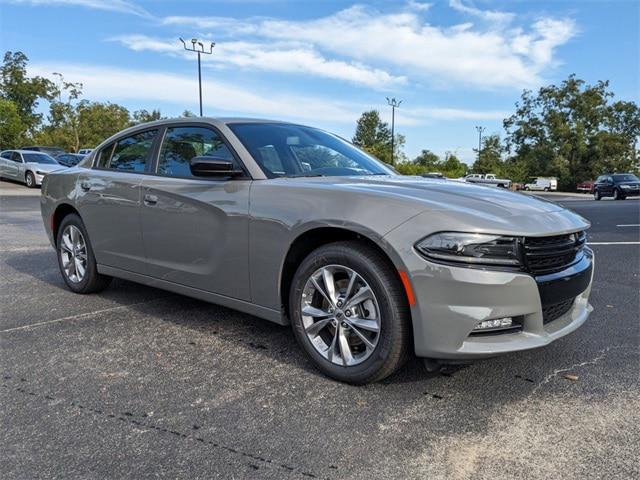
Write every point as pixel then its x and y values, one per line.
pixel 181 144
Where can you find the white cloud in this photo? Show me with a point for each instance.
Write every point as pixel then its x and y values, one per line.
pixel 122 6
pixel 420 6
pixel 488 57
pixel 488 15
pixel 279 57
pixel 112 84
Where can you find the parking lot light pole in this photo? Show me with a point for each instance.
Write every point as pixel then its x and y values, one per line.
pixel 480 130
pixel 393 103
pixel 198 47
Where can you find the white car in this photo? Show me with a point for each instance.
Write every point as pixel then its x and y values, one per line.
pixel 26 166
pixel 542 185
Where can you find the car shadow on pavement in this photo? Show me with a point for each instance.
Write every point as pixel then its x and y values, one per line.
pixel 234 328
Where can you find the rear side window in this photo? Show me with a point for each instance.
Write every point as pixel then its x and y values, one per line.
pixel 181 144
pixel 130 153
pixel 6 155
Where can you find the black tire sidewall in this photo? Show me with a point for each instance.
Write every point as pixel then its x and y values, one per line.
pixel 33 179
pixel 91 274
pixel 391 313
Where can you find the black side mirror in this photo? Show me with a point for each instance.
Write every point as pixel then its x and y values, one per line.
pixel 209 166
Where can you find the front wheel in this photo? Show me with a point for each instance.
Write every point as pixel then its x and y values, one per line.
pixel 546 189
pixel 349 312
pixel 75 257
pixel 30 180
pixel 596 195
pixel 617 195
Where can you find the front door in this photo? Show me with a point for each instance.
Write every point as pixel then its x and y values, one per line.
pixel 13 167
pixel 195 229
pixel 109 201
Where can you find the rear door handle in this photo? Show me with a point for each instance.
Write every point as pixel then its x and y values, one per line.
pixel 86 186
pixel 150 199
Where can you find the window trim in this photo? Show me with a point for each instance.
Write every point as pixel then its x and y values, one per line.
pixel 234 154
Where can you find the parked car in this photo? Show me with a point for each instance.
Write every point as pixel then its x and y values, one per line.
pixel 616 185
pixel 26 166
pixel 487 179
pixel 542 184
pixel 52 151
pixel 85 151
pixel 585 187
pixel 69 159
pixel 295 225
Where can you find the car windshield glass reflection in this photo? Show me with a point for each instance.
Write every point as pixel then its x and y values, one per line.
pixel 38 158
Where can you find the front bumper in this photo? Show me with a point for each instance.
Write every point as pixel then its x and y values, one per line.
pixel 451 301
pixel 39 177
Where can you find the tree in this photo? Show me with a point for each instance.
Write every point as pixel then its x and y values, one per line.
pixel 24 92
pixel 452 167
pixel 428 160
pixel 490 157
pixel 188 114
pixel 573 131
pixel 11 126
pixel 374 136
pixel 144 116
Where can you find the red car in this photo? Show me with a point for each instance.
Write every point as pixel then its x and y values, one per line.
pixel 585 187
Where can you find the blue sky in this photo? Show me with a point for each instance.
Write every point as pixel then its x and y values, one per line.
pixel 454 63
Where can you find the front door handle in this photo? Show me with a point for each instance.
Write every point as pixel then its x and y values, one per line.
pixel 86 186
pixel 150 199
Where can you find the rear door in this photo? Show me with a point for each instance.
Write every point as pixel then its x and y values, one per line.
pixel 5 158
pixel 195 229
pixel 109 200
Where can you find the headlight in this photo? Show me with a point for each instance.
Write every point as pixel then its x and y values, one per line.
pixel 626 187
pixel 40 173
pixel 472 248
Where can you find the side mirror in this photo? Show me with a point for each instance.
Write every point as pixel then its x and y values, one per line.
pixel 209 166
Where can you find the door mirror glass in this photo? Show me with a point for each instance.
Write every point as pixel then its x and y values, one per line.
pixel 207 166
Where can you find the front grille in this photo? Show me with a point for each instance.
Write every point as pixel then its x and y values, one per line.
pixel 555 311
pixel 543 255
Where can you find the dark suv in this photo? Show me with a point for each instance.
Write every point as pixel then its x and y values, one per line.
pixel 616 185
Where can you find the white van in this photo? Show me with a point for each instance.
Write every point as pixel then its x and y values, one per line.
pixel 543 184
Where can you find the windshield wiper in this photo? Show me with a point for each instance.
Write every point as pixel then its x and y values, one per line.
pixel 305 174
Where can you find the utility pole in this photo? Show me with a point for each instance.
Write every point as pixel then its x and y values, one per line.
pixel 198 47
pixel 393 103
pixel 480 130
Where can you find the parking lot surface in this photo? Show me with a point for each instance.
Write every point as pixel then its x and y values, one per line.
pixel 136 382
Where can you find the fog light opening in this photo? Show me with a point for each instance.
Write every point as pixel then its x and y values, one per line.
pixel 496 325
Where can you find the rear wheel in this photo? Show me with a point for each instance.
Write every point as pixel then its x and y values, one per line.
pixel 75 257
pixel 30 180
pixel 349 312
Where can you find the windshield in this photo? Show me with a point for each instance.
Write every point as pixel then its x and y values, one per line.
pixel 627 177
pixel 38 158
pixel 283 150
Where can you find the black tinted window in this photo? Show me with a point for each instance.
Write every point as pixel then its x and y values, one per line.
pixel 38 158
pixel 181 144
pixel 103 157
pixel 131 153
pixel 15 156
pixel 6 155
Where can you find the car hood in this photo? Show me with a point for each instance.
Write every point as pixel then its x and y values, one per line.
pixel 631 184
pixel 436 194
pixel 44 167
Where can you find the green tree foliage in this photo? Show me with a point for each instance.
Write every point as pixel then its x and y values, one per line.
pixel 428 162
pixel 144 116
pixel 374 136
pixel 11 127
pixel 490 158
pixel 573 131
pixel 25 93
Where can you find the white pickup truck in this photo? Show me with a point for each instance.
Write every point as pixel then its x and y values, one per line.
pixel 487 179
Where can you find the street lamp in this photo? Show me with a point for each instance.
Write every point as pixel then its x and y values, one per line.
pixel 393 103
pixel 480 130
pixel 198 47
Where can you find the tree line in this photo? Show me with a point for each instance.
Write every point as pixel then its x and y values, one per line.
pixel 573 131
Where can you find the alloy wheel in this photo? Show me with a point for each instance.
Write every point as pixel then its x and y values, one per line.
pixel 73 252
pixel 30 180
pixel 340 315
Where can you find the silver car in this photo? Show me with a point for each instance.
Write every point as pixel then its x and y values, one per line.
pixel 26 166
pixel 297 226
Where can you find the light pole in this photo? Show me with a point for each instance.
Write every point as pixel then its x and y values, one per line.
pixel 480 130
pixel 393 103
pixel 198 47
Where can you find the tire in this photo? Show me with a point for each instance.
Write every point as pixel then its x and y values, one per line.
pixel 617 195
pixel 526 189
pixel 596 195
pixel 30 180
pixel 89 282
pixel 546 189
pixel 387 307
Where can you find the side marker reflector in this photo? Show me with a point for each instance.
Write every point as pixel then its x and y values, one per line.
pixel 407 287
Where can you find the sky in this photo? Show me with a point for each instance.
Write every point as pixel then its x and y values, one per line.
pixel 455 64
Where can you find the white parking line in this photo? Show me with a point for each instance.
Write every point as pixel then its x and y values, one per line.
pixel 630 225
pixel 613 243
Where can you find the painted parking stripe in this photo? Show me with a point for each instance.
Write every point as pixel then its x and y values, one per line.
pixel 613 243
pixel 630 225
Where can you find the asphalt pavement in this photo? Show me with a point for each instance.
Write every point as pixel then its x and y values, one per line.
pixel 135 382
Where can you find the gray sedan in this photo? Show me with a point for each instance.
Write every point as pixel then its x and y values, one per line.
pixel 26 166
pixel 297 226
